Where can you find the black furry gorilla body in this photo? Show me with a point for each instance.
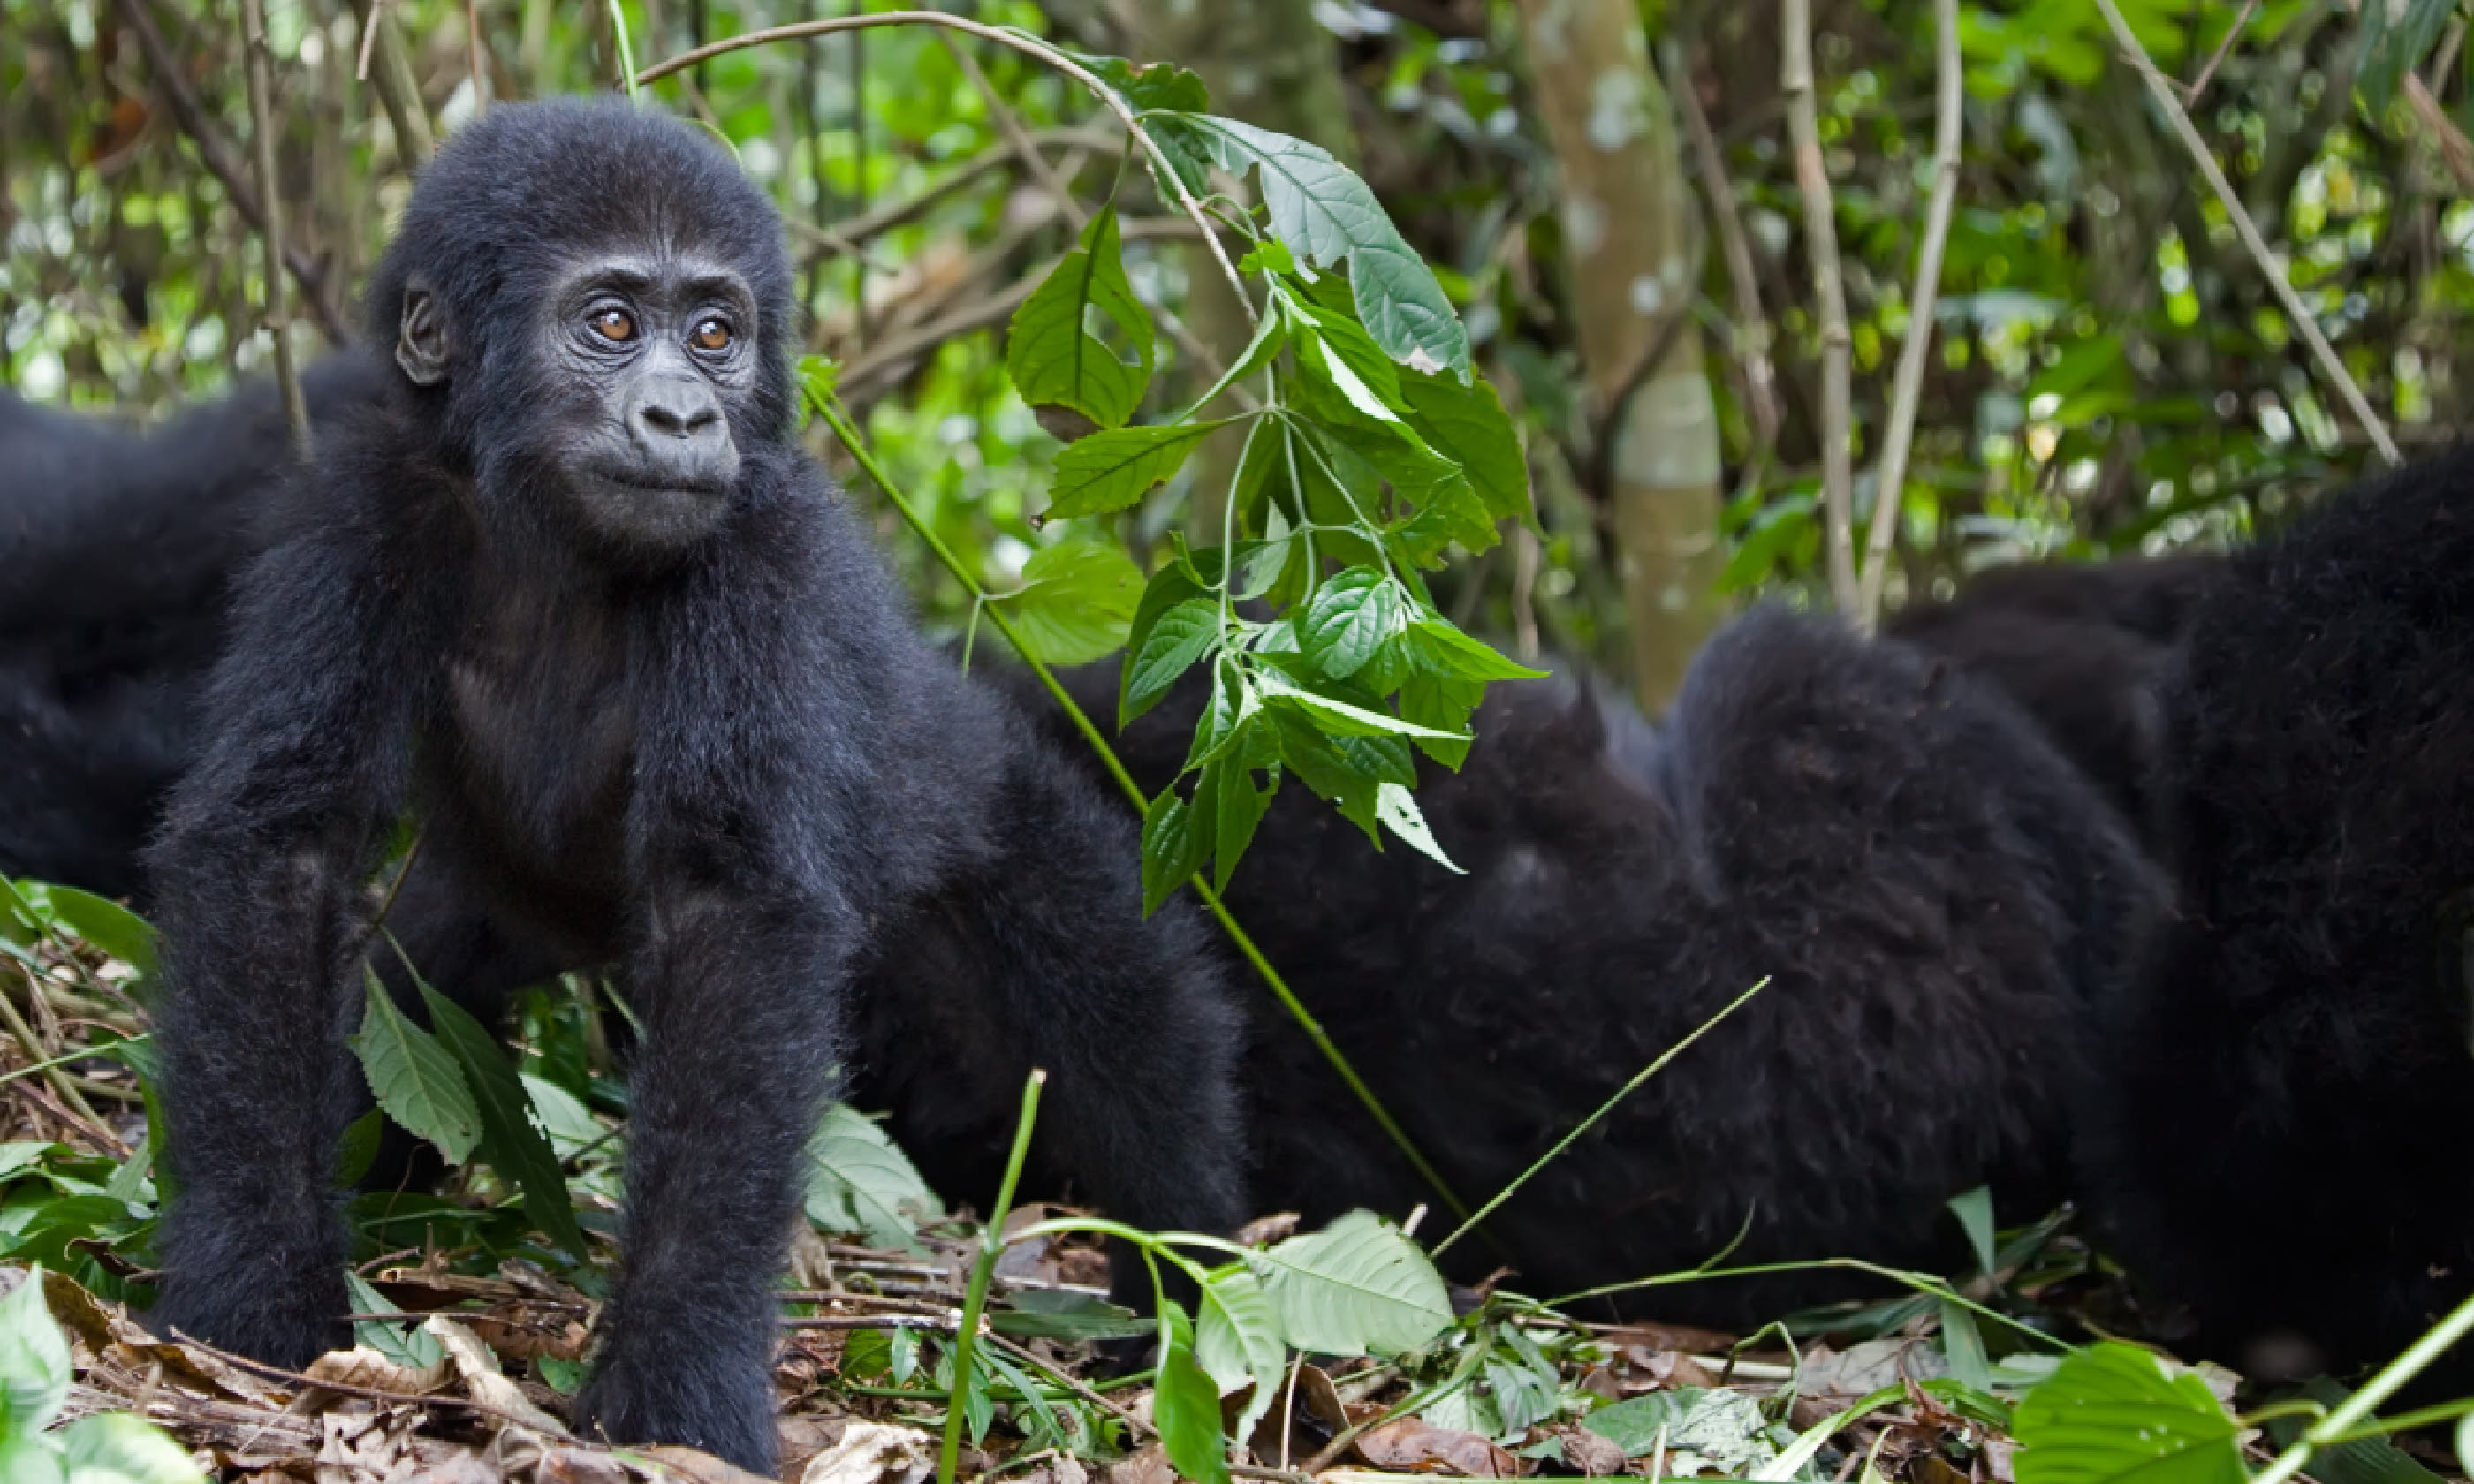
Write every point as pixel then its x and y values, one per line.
pixel 1936 895
pixel 568 587
pixel 117 554
pixel 2286 1149
pixel 2081 647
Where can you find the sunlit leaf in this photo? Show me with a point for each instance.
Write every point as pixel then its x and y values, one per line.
pixel 1357 1287
pixel 1075 602
pixel 1398 808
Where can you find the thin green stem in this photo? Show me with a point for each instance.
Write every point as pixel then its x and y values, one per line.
pixel 1604 1109
pixel 81 1054
pixel 1921 1282
pixel 845 430
pixel 2342 1420
pixel 626 52
pixel 983 1274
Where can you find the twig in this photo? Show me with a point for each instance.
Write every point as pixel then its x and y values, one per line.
pixel 472 57
pixel 1752 325
pixel 216 154
pixel 942 1323
pixel 54 1074
pixel 848 236
pixel 2225 49
pixel 1829 292
pixel 399 90
pixel 2456 151
pixel 1029 46
pixel 346 1388
pixel 1906 387
pixel 1009 124
pixel 2304 324
pixel 260 72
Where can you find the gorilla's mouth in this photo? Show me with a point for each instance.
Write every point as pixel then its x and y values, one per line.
pixel 642 481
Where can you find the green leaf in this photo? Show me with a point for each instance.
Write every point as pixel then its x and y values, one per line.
pixel 34 1371
pixel 1182 635
pixel 1339 717
pixel 30 1460
pixel 860 1181
pixel 359 1149
pixel 1237 808
pixel 108 925
pixel 1445 704
pixel 1964 1346
pixel 1050 350
pixel 569 1124
pixel 1189 150
pixel 2391 48
pixel 1324 213
pixel 1974 1210
pixel 122 1448
pixel 1342 351
pixel 414 1078
pixel 1157 85
pixel 1177 837
pixel 1445 652
pixel 1171 585
pixel 401 1341
pixel 1348 618
pixel 514 1144
pixel 1237 1339
pixel 1075 602
pixel 1109 472
pixel 1467 425
pixel 1398 808
pixel 1186 1407
pixel 1233 705
pixel 1357 1287
pixel 2112 1413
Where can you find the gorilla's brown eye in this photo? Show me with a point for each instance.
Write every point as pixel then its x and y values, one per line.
pixel 712 335
pixel 615 324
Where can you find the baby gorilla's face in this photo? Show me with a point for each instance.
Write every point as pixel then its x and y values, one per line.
pixel 655 356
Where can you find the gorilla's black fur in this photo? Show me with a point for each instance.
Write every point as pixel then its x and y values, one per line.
pixel 2081 646
pixel 1935 895
pixel 569 588
pixel 116 554
pixel 2287 1149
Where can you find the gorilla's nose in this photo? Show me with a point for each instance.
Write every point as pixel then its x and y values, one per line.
pixel 679 431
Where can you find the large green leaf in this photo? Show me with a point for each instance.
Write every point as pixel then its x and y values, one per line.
pixel 1107 472
pixel 2111 1413
pixel 122 1448
pixel 1075 602
pixel 1356 1288
pixel 34 1371
pixel 1180 637
pixel 1348 618
pixel 1185 1406
pixel 1052 348
pixel 1467 424
pixel 1237 1339
pixel 859 1181
pixel 1324 213
pixel 514 1143
pixel 414 1078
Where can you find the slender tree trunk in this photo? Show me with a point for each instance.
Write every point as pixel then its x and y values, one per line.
pixel 1627 213
pixel 1271 64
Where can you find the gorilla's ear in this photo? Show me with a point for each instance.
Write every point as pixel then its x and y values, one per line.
pixel 421 345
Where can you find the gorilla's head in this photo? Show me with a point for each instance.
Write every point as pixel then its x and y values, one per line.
pixel 596 304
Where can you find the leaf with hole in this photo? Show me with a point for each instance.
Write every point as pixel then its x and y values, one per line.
pixel 1109 472
pixel 1357 1287
pixel 2112 1413
pixel 1054 351
pixel 1398 808
pixel 413 1077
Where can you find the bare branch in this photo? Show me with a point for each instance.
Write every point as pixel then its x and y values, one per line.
pixel 1908 386
pixel 2225 49
pixel 1829 292
pixel 1752 325
pixel 398 92
pixel 260 70
pixel 2304 323
pixel 222 161
pixel 1029 46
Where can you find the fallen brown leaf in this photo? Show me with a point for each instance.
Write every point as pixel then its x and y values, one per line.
pixel 1419 1448
pixel 874 1454
pixel 484 1382
pixel 699 1467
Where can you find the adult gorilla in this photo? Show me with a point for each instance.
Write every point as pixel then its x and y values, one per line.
pixel 2286 1152
pixel 570 588
pixel 1936 895
pixel 117 550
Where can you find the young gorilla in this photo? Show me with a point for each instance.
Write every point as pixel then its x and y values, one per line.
pixel 1936 895
pixel 2081 647
pixel 2284 1151
pixel 117 554
pixel 570 588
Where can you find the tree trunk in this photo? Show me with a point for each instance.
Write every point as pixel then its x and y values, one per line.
pixel 1627 235
pixel 1271 64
